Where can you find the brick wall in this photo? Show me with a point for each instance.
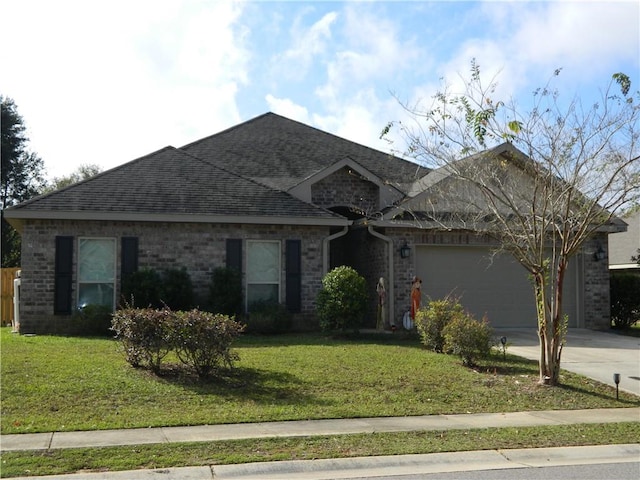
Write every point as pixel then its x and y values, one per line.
pixel 597 303
pixel 198 247
pixel 346 189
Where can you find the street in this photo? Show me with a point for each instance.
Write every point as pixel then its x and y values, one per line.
pixel 618 471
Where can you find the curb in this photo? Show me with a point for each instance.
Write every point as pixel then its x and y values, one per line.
pixel 384 465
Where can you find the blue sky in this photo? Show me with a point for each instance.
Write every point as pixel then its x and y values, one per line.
pixel 104 82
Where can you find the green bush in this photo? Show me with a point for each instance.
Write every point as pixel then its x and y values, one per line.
pixel 268 318
pixel 146 335
pixel 468 338
pixel 177 289
pixel 225 291
pixel 148 288
pixel 431 320
pixel 625 299
pixel 142 289
pixel 342 301
pixel 202 340
pixel 92 319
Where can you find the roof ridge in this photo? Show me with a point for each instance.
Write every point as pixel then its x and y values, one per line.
pixel 226 130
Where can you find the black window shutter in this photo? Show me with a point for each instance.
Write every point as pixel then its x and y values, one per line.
pixel 63 283
pixel 234 253
pixel 129 256
pixel 294 275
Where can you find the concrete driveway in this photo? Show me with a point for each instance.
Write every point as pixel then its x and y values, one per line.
pixel 596 355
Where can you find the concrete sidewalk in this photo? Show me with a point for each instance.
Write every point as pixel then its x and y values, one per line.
pixel 211 433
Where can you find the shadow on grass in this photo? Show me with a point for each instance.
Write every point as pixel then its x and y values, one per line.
pixel 408 339
pixel 605 396
pixel 260 386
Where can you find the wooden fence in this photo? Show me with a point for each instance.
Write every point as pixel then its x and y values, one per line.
pixel 6 285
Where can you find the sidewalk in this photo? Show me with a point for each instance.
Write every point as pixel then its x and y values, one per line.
pixel 348 467
pixel 211 433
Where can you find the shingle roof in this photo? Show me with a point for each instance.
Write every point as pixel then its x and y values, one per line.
pixel 244 171
pixel 281 153
pixel 171 181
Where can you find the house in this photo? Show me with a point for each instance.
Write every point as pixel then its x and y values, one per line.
pixel 282 202
pixel 625 245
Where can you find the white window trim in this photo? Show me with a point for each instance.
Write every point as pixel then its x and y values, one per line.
pixel 246 262
pixel 115 273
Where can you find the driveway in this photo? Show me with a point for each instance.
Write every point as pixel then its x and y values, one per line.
pixel 594 354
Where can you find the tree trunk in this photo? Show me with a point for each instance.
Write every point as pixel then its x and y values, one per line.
pixel 551 325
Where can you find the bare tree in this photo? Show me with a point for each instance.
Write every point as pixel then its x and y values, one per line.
pixel 541 182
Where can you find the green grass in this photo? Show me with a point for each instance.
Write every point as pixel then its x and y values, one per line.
pixel 52 383
pixel 307 448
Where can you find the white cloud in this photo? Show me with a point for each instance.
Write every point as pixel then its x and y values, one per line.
pixel 372 51
pixel 287 108
pixel 118 80
pixel 306 44
pixel 588 36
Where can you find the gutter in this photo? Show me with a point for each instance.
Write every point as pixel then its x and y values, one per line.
pixel 325 248
pixel 391 280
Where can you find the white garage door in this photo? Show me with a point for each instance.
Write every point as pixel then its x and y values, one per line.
pixel 497 286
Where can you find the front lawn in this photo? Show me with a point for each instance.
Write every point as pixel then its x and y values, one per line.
pixel 52 383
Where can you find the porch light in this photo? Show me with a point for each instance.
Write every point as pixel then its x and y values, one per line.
pixel 599 254
pixel 405 250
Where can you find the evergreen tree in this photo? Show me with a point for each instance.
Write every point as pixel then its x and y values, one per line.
pixel 22 175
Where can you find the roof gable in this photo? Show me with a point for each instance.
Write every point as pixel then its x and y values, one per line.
pixel 387 194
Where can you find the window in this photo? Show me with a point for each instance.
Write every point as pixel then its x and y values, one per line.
pixel 263 271
pixel 96 271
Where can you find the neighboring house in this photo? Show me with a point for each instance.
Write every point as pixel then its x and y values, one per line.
pixel 624 245
pixel 283 203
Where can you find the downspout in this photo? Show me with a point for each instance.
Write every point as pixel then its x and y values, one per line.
pixel 325 248
pixel 391 280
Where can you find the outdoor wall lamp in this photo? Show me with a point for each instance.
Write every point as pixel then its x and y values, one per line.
pixel 599 254
pixel 616 379
pixel 405 250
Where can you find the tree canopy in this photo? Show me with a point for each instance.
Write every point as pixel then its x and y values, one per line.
pixel 22 174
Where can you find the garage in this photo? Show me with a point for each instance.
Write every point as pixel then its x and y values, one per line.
pixel 495 285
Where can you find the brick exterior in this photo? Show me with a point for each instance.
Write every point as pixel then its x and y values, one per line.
pixel 200 248
pixel 597 302
pixel 345 188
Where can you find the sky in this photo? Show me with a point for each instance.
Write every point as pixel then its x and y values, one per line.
pixel 105 82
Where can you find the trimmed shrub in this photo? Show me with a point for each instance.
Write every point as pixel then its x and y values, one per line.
pixel 225 291
pixel 202 340
pixel 146 335
pixel 142 289
pixel 431 320
pixel 625 299
pixel 342 301
pixel 268 318
pixel 468 338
